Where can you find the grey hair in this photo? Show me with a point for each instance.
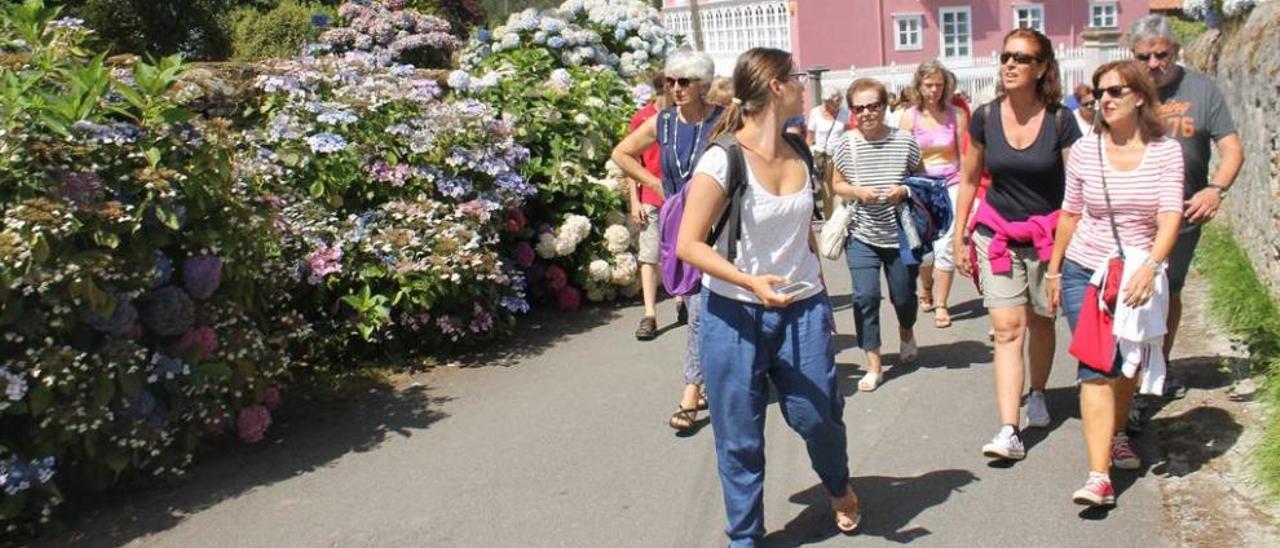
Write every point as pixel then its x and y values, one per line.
pixel 830 91
pixel 690 64
pixel 1150 28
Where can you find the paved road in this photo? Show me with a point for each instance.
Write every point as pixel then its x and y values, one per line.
pixel 563 442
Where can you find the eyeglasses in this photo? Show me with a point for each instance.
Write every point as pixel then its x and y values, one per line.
pixel 1018 57
pixel 873 107
pixel 1114 91
pixel 682 82
pixel 1088 104
pixel 801 78
pixel 1159 55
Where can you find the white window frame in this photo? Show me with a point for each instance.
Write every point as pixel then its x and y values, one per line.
pixel 967 45
pixel 1096 8
pixel 1033 12
pixel 898 32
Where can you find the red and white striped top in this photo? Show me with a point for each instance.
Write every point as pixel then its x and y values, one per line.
pixel 1138 195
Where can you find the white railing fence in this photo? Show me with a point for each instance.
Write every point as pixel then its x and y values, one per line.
pixel 730 28
pixel 976 76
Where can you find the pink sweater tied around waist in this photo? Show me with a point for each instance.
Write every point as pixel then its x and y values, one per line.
pixel 1037 231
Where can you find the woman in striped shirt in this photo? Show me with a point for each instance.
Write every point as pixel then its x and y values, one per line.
pixel 1126 168
pixel 871 163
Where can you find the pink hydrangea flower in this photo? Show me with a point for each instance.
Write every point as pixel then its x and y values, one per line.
pixel 253 423
pixel 556 278
pixel 272 398
pixel 569 298
pixel 324 260
pixel 524 255
pixel 515 220
pixel 475 209
pixel 203 340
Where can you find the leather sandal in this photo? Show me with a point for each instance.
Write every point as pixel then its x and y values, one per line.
pixel 702 403
pixel 683 419
pixel 848 522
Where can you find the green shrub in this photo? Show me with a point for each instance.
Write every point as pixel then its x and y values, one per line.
pixel 1187 31
pixel 195 28
pixel 279 33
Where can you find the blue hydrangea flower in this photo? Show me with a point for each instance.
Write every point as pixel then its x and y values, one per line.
pixel 201 275
pixel 122 318
pixel 336 117
pixel 555 42
pixel 168 312
pixel 15 385
pixel 326 143
pixel 515 305
pixel 320 20
pixel 454 187
pixel 161 269
pixel 484 36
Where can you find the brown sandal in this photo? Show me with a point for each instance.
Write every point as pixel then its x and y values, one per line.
pixel 683 419
pixel 847 522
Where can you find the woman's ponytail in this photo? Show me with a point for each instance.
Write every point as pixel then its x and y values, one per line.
pixel 756 68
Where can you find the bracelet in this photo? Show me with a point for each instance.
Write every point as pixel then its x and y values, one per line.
pixel 1155 266
pixel 1049 276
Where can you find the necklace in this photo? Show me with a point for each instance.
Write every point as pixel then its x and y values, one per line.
pixel 675 145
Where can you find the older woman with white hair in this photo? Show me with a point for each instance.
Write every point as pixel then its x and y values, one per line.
pixel 682 131
pixel 827 123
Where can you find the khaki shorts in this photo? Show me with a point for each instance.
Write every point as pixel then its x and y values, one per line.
pixel 649 252
pixel 1022 285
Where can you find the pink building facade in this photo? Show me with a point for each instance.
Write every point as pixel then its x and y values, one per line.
pixel 840 34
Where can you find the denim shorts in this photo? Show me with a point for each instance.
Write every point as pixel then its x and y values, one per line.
pixel 1180 258
pixel 1075 279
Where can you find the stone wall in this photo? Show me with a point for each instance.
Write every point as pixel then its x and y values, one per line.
pixel 1244 57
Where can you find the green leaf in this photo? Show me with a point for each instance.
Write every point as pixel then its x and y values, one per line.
pixel 103 390
pixel 177 115
pixel 40 250
pixel 106 239
pixel 215 371
pixel 40 398
pixel 117 459
pixel 317 189
pixel 153 156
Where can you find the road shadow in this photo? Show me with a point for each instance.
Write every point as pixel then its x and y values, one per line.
pixel 952 355
pixel 540 331
pixel 1186 443
pixel 1209 372
pixel 971 309
pixel 890 506
pixel 306 437
pixel 1063 403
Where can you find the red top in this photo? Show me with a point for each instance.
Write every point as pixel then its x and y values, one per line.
pixel 985 182
pixel 650 158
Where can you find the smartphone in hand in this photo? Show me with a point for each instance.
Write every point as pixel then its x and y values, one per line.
pixel 794 288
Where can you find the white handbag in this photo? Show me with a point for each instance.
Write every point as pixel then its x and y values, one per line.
pixel 834 232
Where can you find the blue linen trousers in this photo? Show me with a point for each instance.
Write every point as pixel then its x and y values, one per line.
pixel 742 344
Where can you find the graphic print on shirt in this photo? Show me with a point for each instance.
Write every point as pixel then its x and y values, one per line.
pixel 1179 123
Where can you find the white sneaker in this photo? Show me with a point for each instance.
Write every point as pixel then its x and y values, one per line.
pixel 908 352
pixel 1006 445
pixel 1037 410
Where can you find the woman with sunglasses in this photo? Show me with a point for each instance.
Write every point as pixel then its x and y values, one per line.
pixel 1085 110
pixel 750 330
pixel 1023 138
pixel 938 128
pixel 1124 182
pixel 871 162
pixel 682 131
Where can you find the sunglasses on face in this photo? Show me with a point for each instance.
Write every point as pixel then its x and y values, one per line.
pixel 681 82
pixel 1088 104
pixel 801 78
pixel 869 107
pixel 1114 91
pixel 1018 57
pixel 1159 55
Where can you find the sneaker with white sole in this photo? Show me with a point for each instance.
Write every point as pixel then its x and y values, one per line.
pixel 908 352
pixel 1122 454
pixel 1006 445
pixel 1037 410
pixel 1097 491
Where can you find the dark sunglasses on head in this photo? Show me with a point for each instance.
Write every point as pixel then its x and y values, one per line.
pixel 873 107
pixel 1018 57
pixel 1159 55
pixel 1114 91
pixel 681 82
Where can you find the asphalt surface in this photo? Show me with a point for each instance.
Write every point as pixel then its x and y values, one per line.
pixel 560 439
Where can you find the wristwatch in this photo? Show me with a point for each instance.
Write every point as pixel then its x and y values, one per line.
pixel 1222 190
pixel 1155 266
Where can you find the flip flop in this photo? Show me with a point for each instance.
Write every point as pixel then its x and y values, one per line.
pixel 942 322
pixel 869 382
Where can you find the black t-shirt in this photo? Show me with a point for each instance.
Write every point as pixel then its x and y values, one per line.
pixel 1029 181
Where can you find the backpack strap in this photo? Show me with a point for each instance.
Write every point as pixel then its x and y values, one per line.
pixel 735 185
pixel 802 148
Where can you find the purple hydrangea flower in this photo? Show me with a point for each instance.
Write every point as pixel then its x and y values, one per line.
pixel 161 269
pixel 168 312
pixel 326 143
pixel 81 189
pixel 122 318
pixel 454 187
pixel 15 385
pixel 201 275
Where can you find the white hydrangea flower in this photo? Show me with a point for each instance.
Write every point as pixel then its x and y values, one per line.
pixel 617 238
pixel 624 269
pixel 565 245
pixel 600 270
pixel 582 119
pixel 546 246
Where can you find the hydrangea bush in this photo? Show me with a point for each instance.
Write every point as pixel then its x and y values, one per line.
pixel 129 258
pixel 405 35
pixel 1211 10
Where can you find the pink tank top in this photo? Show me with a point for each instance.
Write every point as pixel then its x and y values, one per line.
pixel 938 150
